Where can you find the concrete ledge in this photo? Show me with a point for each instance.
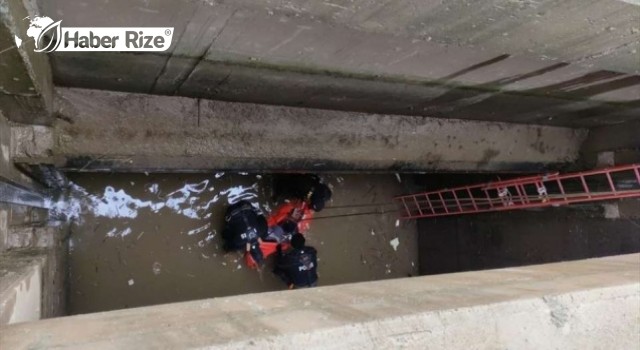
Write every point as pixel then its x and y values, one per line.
pixel 101 130
pixel 20 286
pixel 583 304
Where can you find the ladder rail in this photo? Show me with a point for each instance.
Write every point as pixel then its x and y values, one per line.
pixel 498 196
pixel 633 194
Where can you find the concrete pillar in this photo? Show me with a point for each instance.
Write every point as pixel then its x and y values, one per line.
pixel 8 171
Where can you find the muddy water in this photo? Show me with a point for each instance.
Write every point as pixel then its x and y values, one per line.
pixel 149 239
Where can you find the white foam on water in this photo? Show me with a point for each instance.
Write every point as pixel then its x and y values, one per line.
pixel 207 205
pixel 236 194
pixel 395 243
pixel 211 236
pixel 119 204
pixel 153 188
pixel 199 229
pixel 115 233
pixel 192 200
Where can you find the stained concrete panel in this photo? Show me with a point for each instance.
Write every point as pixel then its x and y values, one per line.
pixel 286 53
pixel 601 33
pixel 102 130
pixel 584 304
pixel 26 88
pixel 353 89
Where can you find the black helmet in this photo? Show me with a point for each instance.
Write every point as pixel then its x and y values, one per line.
pixel 320 195
pixel 298 241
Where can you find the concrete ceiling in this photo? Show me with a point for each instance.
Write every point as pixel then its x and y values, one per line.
pixel 570 62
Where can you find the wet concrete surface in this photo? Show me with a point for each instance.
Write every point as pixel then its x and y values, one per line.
pixel 141 239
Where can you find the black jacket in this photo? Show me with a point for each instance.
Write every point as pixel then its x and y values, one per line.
pixel 298 267
pixel 243 224
pixel 303 187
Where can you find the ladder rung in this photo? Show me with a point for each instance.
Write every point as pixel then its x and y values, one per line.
pixel 498 196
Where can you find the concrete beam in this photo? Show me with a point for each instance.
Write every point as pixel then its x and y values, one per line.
pixel 583 304
pixel 526 62
pixel 507 92
pixel 26 88
pixel 108 131
pixel 12 194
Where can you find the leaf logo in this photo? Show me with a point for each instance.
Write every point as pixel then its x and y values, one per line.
pixel 46 34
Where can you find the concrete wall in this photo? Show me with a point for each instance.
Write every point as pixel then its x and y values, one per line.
pixel 109 131
pixel 574 305
pixel 32 255
pixel 495 240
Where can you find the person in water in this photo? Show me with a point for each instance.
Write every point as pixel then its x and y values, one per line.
pixel 245 228
pixel 302 196
pixel 298 266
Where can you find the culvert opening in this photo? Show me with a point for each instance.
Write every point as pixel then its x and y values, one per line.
pixel 143 239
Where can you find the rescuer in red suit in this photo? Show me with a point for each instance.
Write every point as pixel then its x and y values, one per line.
pixel 302 195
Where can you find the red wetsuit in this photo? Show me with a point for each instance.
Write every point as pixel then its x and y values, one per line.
pixel 294 210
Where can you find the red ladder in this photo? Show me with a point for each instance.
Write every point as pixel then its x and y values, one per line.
pixel 525 192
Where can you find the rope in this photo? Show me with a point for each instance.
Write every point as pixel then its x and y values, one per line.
pixel 354 214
